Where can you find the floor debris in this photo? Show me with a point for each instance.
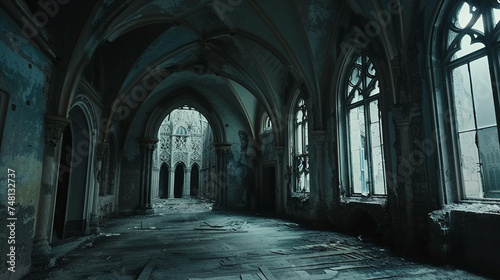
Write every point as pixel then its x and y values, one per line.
pixel 189 241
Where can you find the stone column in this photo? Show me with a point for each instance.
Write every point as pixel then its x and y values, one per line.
pixel 171 178
pixel 148 145
pixel 187 183
pixel 121 154
pixel 281 181
pixel 319 139
pixel 222 149
pixel 403 182
pixel 201 186
pixel 155 182
pixel 54 127
pixel 101 154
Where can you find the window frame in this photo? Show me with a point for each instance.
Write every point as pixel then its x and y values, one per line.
pixel 293 146
pixel 343 133
pixel 491 51
pixel 266 124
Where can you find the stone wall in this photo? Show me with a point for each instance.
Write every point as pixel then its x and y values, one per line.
pixel 24 84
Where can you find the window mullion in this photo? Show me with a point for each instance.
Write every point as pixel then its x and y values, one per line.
pixel 368 145
pixel 366 110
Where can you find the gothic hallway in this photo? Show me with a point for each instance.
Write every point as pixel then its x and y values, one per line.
pixel 185 239
pixel 376 118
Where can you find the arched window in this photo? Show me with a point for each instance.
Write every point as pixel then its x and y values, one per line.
pixel 471 53
pixel 363 164
pixel 300 151
pixel 181 131
pixel 266 125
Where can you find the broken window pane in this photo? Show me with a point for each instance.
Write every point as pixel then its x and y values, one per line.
pixel 470 165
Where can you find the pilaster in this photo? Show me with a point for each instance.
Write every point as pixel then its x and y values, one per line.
pixel 148 145
pixel 54 127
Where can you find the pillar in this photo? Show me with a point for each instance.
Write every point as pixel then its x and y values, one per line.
pixel 187 183
pixel 404 188
pixel 148 145
pixel 101 154
pixel 319 141
pixel 155 184
pixel 222 150
pixel 171 186
pixel 281 184
pixel 54 127
pixel 121 154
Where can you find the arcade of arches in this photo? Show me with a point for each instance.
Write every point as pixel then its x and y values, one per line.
pixel 377 116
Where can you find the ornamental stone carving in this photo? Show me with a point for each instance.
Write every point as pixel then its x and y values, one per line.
pixel 149 144
pixel 54 127
pixel 222 147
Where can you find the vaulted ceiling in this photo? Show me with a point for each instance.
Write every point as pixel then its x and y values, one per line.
pixel 245 54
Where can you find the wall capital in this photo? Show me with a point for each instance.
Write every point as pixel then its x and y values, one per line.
pixel 222 147
pixel 404 113
pixel 318 136
pixel 148 144
pixel 54 127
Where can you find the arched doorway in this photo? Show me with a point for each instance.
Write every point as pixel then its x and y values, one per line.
pixel 62 186
pixel 195 181
pixel 179 181
pixel 163 182
pixel 75 224
pixel 70 219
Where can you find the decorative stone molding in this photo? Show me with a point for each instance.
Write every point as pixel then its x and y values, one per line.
pixel 404 114
pixel 148 144
pixel 102 150
pixel 222 147
pixel 319 136
pixel 54 127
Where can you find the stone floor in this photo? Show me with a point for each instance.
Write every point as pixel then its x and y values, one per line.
pixel 186 240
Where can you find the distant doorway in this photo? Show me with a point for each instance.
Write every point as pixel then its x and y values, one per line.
pixel 179 181
pixel 268 193
pixel 195 181
pixel 164 179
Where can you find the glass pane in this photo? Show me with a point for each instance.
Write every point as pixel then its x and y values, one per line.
pixel 483 93
pixel 378 169
pixel 355 86
pixel 306 137
pixel 299 139
pixel 464 111
pixel 467 47
pixel 496 16
pixel 375 90
pixel 464 16
pixel 355 96
pixel 489 150
pixel 299 116
pixel 357 157
pixel 469 163
pixel 479 25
